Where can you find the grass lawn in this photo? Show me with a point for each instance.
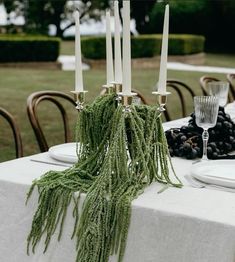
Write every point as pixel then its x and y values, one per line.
pixel 17 84
pixel 220 60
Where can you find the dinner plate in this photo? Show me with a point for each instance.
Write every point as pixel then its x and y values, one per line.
pixel 218 172
pixel 64 152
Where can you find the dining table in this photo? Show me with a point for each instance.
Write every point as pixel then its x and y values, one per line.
pixel 195 223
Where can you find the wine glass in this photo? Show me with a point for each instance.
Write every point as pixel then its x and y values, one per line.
pixel 220 90
pixel 206 112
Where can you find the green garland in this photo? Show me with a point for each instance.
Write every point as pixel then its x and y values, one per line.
pixel 120 155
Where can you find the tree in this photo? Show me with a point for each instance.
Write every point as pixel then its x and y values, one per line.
pixel 16 6
pixel 40 13
pixel 211 18
pixel 185 17
pixel 140 11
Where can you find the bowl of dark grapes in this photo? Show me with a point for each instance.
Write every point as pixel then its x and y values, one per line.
pixel 186 141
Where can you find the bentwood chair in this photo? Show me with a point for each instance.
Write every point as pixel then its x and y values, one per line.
pixel 139 98
pixel 183 92
pixel 15 130
pixel 231 79
pixel 204 80
pixel 57 98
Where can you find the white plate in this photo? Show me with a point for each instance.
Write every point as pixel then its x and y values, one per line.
pixel 218 172
pixel 64 152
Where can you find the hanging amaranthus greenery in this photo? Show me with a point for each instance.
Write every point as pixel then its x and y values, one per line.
pixel 120 155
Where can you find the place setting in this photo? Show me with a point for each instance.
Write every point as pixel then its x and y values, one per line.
pixel 209 113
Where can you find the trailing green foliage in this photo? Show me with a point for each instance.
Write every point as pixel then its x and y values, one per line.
pixel 24 48
pixel 121 153
pixel 146 45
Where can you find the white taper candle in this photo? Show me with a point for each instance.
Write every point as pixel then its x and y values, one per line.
pixel 117 46
pixel 164 52
pixel 109 51
pixel 126 86
pixel 78 56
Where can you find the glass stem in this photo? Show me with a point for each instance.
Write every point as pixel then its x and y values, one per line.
pixel 205 138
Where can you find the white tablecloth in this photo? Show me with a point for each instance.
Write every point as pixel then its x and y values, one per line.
pixel 178 225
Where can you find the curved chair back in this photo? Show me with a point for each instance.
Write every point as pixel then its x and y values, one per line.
pixel 204 80
pixel 139 98
pixel 181 90
pixel 15 130
pixel 231 79
pixel 54 97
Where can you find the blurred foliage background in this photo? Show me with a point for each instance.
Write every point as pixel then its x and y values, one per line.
pixel 211 18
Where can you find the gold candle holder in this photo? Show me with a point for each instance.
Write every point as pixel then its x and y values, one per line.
pixel 79 97
pixel 117 87
pixel 126 101
pixel 162 99
pixel 108 88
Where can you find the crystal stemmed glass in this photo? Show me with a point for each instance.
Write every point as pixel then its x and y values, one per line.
pixel 206 112
pixel 220 90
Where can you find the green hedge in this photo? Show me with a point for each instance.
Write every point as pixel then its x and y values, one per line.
pixel 146 46
pixel 186 44
pixel 15 48
pixel 93 47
